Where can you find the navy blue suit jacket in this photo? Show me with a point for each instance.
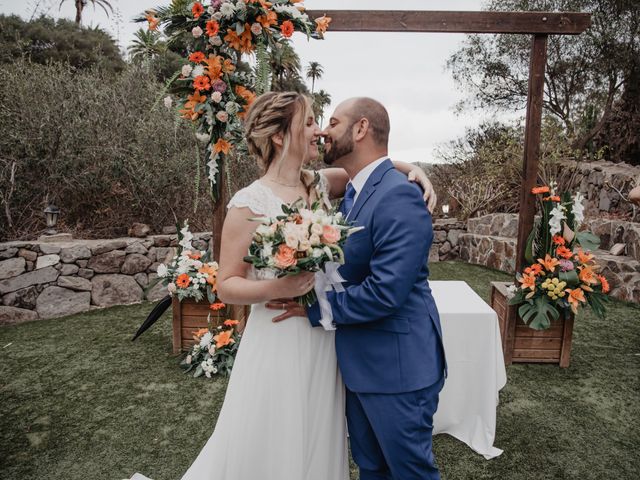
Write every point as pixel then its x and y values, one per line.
pixel 388 337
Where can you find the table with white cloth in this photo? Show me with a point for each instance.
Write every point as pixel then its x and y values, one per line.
pixel 476 371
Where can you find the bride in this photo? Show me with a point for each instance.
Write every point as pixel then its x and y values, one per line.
pixel 283 413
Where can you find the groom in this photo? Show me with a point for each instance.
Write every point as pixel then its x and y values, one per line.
pixel 388 337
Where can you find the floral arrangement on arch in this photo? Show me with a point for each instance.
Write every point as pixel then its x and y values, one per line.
pixel 562 275
pixel 191 273
pixel 213 90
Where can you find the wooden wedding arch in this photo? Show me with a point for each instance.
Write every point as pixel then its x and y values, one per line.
pixel 539 25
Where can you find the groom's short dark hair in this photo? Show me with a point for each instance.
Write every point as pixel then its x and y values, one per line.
pixel 374 111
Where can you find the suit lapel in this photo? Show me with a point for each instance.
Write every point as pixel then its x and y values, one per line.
pixel 369 188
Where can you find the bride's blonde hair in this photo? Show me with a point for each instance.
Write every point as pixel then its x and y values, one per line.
pixel 270 114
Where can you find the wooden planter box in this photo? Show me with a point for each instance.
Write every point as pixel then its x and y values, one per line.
pixel 190 316
pixel 521 344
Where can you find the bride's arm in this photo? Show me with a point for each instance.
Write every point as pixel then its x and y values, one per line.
pixel 338 179
pixel 233 286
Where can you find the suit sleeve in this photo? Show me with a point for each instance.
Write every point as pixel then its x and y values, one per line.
pixel 402 234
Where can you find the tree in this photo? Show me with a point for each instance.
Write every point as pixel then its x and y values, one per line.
pixel 80 4
pixel 285 69
pixel 321 100
pixel 314 72
pixel 146 45
pixel 47 40
pixel 585 73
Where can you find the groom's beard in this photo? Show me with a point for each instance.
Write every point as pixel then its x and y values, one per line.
pixel 339 148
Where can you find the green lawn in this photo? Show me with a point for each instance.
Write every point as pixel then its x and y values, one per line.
pixel 79 400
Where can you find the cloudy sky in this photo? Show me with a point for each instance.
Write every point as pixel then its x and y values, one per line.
pixel 405 71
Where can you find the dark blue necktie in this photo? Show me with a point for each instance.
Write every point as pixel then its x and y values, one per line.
pixel 347 201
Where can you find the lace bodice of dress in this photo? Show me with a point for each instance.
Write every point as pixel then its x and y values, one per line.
pixel 262 201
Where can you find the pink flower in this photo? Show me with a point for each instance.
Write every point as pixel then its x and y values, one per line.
pixel 256 29
pixel 566 265
pixel 222 116
pixel 330 234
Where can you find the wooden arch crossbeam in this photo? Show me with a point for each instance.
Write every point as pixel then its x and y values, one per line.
pixel 537 24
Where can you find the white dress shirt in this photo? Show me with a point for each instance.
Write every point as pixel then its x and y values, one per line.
pixel 362 176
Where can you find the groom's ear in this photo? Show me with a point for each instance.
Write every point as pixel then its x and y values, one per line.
pixel 361 129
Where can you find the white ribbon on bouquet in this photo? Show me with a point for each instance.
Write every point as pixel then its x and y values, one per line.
pixel 327 280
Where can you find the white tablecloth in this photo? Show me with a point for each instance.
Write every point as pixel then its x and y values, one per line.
pixel 471 335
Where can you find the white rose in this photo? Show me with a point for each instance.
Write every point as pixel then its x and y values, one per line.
pixel 217 15
pixel 232 108
pixel 205 341
pixel 168 101
pixel 186 70
pixel 304 245
pixel 317 253
pixel 222 116
pixel 216 97
pixel 256 29
pixel 291 241
pixel 216 41
pixel 197 32
pixel 263 230
pixel 211 10
pixel 188 359
pixel 316 229
pixel 314 240
pixel 197 71
pixel 172 287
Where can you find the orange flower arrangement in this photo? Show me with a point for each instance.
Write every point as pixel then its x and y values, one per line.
pixel 212 28
pixel 583 257
pixel 197 10
pixel 189 111
pixel 605 284
pixel 553 198
pixel 243 42
pixel 587 275
pixel 222 146
pixel 559 240
pixel 183 280
pixel 268 20
pixel 217 306
pixel 287 28
pixel 576 296
pixel 535 269
pixel 194 255
pixel 231 323
pixel 196 57
pixel 564 252
pixel 214 67
pixel 248 96
pixel 202 83
pixel 322 24
pixel 224 338
pixel 549 263
pixel 539 190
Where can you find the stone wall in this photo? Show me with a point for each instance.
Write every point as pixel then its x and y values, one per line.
pixel 446 235
pixel 44 280
pixel 598 181
pixel 491 241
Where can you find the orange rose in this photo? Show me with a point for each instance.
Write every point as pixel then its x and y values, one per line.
pixel 287 28
pixel 285 257
pixel 330 234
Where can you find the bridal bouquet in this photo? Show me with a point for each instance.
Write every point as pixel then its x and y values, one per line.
pixel 302 239
pixel 214 351
pixel 191 273
pixel 562 273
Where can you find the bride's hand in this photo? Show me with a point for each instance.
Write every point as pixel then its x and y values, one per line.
pixel 418 176
pixel 295 285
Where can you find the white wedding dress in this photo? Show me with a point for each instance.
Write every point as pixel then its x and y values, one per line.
pixel 283 413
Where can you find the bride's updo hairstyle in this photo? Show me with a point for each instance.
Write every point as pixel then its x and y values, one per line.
pixel 270 114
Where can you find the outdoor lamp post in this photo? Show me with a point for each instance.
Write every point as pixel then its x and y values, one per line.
pixel 445 210
pixel 51 214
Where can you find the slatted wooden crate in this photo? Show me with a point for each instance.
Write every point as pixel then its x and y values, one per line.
pixel 190 316
pixel 521 344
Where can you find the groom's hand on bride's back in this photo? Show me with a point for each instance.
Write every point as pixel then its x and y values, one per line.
pixel 290 306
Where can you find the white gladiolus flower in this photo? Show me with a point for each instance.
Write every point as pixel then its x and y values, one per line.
pixel 203 137
pixel 557 217
pixel 213 169
pixel 197 71
pixel 216 97
pixel 186 70
pixel 578 209
pixel 227 9
pixel 168 101
pixel 162 270
pixel 205 341
pixel 197 32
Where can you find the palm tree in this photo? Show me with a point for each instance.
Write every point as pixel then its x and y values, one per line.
pixel 314 72
pixel 146 45
pixel 321 100
pixel 285 66
pixel 80 4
